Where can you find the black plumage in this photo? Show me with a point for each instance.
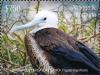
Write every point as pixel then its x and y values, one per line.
pixel 63 51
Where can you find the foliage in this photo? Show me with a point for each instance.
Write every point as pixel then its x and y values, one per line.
pixel 13 52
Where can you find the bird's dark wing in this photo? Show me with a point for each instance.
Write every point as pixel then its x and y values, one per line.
pixel 88 53
pixel 77 59
pixel 62 47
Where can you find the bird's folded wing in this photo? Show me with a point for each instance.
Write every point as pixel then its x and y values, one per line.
pixel 73 56
pixel 89 54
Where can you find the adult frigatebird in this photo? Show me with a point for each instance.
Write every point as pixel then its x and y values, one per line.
pixel 50 47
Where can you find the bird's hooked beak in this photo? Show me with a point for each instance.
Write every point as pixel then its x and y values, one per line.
pixel 31 24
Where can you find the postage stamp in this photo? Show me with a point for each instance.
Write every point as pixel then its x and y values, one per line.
pixel 50 37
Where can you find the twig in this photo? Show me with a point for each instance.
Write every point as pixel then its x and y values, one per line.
pixel 87 39
pixel 18 37
pixel 37 6
pixel 20 68
pixel 8 62
pixel 3 69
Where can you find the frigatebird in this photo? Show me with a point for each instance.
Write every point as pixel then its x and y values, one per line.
pixel 56 49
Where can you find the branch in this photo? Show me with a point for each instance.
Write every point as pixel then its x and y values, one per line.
pixel 8 62
pixel 3 69
pixel 20 68
pixel 37 6
pixel 87 39
pixel 18 36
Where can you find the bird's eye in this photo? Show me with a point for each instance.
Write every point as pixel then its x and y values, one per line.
pixel 44 18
